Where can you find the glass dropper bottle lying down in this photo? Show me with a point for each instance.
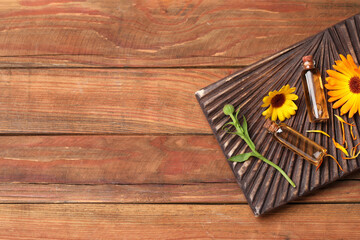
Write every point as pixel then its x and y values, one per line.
pixel 295 141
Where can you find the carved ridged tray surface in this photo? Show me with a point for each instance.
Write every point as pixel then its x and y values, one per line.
pixel 263 186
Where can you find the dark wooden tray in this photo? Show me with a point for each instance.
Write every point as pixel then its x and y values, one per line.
pixel 263 186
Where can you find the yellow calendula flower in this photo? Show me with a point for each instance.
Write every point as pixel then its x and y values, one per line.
pixel 344 86
pixel 281 103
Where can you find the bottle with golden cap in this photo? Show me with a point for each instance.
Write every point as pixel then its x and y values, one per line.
pixel 314 91
pixel 295 141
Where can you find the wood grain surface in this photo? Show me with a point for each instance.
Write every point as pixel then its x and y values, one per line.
pixel 222 193
pixel 114 160
pixel 172 221
pixel 128 169
pixel 157 33
pixel 43 101
pixel 100 133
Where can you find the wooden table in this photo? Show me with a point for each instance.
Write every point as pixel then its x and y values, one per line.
pixel 102 137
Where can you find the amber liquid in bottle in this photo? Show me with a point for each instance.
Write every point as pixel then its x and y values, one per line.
pixel 295 141
pixel 314 91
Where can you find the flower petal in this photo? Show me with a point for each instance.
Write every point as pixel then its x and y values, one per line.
pixel 267 112
pixel 352 133
pixel 332 99
pixel 341 148
pixel 291 97
pixel 287 114
pixel 338 76
pixel 354 107
pixel 328 155
pixel 336 87
pixel 292 111
pixel 343 70
pixel 291 104
pixel 318 131
pixel 341 92
pixel 285 88
pixel 351 61
pixel 347 106
pixel 344 60
pixel 281 116
pixel 335 82
pixel 340 119
pixel 341 101
pixel 266 99
pixel 274 115
pixel 265 104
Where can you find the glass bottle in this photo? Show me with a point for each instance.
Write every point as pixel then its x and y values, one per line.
pixel 314 91
pixel 295 141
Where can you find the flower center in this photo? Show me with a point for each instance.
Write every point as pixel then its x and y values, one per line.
pixel 279 99
pixel 354 84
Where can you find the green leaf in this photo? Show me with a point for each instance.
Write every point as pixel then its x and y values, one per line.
pixel 224 128
pixel 244 125
pixel 227 130
pixel 241 157
pixel 237 113
pixel 229 123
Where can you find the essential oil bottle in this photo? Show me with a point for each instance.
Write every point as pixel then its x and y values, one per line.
pixel 314 91
pixel 295 141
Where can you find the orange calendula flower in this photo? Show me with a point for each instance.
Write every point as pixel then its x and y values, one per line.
pixel 280 104
pixel 344 85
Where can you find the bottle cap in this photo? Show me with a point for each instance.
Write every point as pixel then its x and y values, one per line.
pixel 308 62
pixel 271 126
pixel 308 58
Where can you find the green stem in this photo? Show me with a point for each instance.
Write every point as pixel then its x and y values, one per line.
pixel 258 155
pixel 250 143
pixel 237 125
